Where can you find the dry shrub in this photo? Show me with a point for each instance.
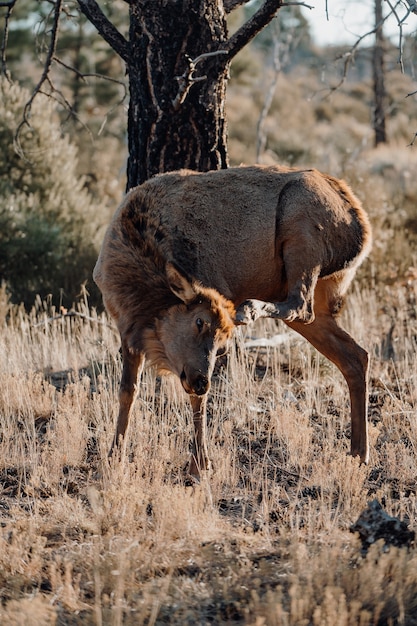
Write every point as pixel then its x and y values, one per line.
pixel 29 612
pixel 334 587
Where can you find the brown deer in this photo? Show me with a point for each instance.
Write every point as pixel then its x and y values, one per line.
pixel 189 255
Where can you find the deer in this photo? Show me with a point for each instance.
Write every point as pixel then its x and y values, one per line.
pixel 189 256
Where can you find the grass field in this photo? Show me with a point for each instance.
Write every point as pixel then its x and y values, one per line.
pixel 265 539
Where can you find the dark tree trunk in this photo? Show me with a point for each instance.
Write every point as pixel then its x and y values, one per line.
pixel 174 122
pixel 177 58
pixel 379 77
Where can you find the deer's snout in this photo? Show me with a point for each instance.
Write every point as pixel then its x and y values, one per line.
pixel 196 384
pixel 201 385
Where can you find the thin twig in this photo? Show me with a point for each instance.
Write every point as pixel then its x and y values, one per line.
pixel 83 76
pixel 62 101
pixel 44 78
pixel 400 28
pixel 349 56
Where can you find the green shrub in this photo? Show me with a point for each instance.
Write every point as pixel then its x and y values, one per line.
pixel 47 219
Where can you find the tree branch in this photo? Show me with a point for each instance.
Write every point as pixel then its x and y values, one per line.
pixel 105 28
pixel 349 56
pixel 10 7
pixel 187 78
pixel 44 78
pixel 57 95
pixel 400 21
pixel 254 25
pixel 83 76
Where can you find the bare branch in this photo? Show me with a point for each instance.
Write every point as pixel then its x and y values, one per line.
pixel 400 28
pixel 254 25
pixel 53 93
pixel 187 79
pixel 57 96
pixel 349 56
pixel 83 77
pixel 400 22
pixel 105 28
pixel 44 78
pixel 10 6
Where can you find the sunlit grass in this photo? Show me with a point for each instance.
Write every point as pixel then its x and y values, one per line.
pixel 263 540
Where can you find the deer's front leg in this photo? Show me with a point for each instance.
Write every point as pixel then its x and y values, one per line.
pixel 199 459
pixel 131 365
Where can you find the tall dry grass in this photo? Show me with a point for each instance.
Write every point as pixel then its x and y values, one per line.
pixel 264 540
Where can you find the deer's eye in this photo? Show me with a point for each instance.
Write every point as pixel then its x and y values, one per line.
pixel 200 324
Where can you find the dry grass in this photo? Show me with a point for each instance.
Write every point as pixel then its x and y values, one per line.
pixel 263 541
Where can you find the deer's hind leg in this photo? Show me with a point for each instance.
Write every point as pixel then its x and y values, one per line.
pixel 325 334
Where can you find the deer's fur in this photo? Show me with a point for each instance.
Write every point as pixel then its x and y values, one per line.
pixel 188 255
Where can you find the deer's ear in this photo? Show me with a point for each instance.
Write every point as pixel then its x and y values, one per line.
pixel 179 284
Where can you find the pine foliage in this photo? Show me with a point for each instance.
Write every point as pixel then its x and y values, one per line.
pixel 46 215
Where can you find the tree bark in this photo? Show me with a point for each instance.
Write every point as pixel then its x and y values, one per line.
pixel 177 58
pixel 379 77
pixel 176 113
